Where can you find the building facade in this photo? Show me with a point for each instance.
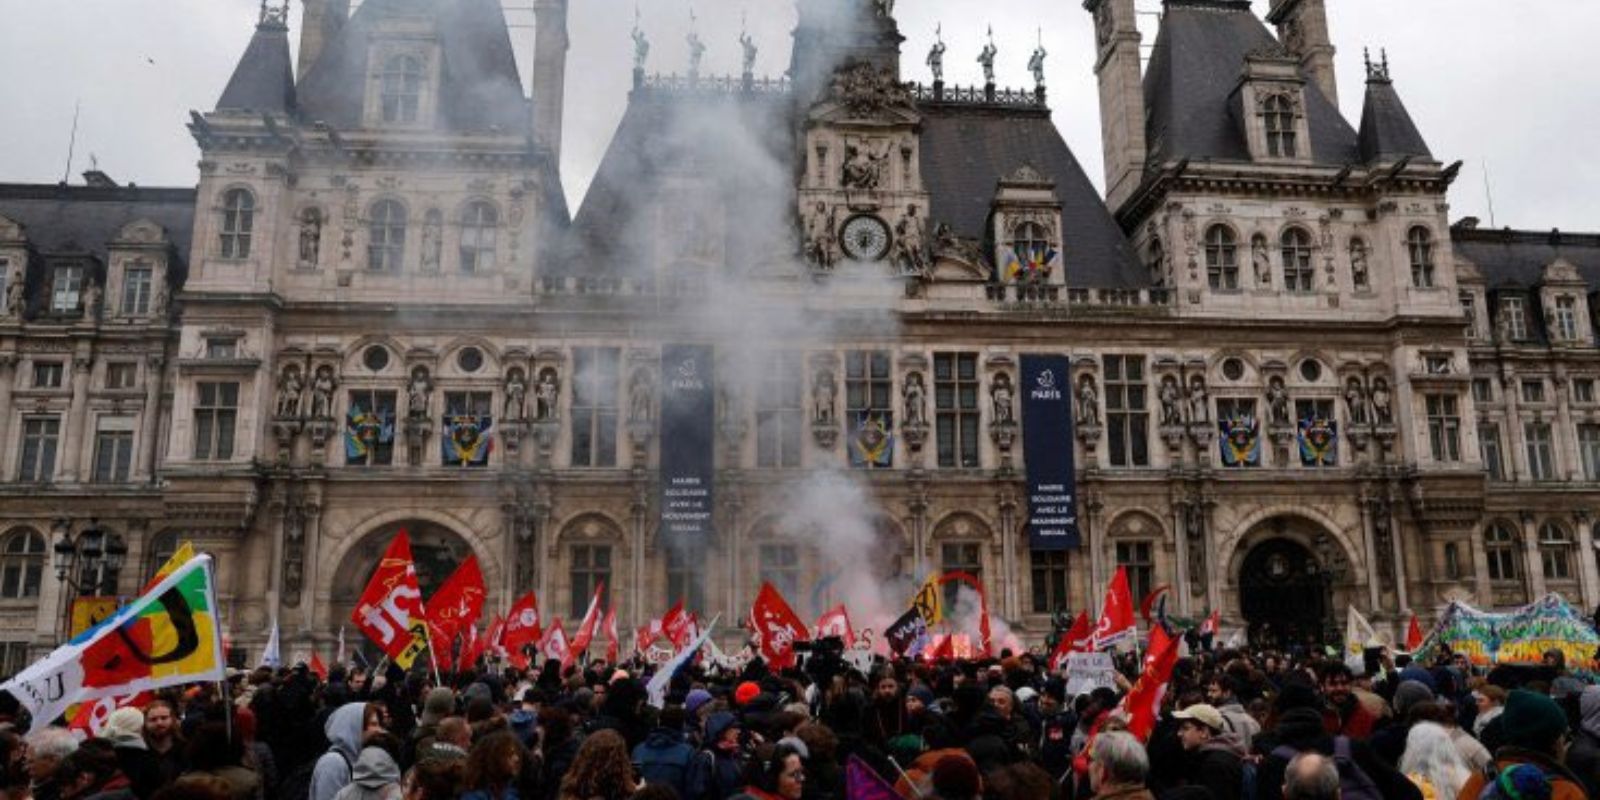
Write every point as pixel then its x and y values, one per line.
pixel 1297 386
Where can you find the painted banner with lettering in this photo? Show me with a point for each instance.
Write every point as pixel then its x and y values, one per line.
pixel 1047 449
pixel 1520 636
pixel 687 426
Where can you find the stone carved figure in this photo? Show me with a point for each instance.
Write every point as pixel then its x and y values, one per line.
pixel 545 395
pixel 1171 402
pixel 14 296
pixel 1088 402
pixel 1358 263
pixel 915 397
pixel 322 386
pixel 290 386
pixel 936 58
pixel 1382 406
pixel 1355 401
pixel 748 45
pixel 418 393
pixel 864 90
pixel 885 7
pixel 1199 400
pixel 91 299
pixel 163 298
pixel 310 237
pixel 1001 396
pixel 910 243
pixel 641 48
pixel 516 404
pixel 1261 259
pixel 1278 402
pixel 1036 65
pixel 432 240
pixel 697 53
pixel 1196 530
pixel 864 167
pixel 641 394
pixel 822 392
pixel 821 247
pixel 986 59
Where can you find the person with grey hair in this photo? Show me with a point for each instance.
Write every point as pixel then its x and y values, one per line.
pixel 47 748
pixel 1311 776
pixel 1118 766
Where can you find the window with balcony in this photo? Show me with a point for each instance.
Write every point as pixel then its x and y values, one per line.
pixel 216 412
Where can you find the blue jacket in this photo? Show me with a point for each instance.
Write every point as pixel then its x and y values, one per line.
pixel 666 758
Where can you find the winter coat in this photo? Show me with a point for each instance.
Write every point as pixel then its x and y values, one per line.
pixel 1583 757
pixel 666 758
pixel 135 760
pixel 375 777
pixel 1217 765
pixel 1301 730
pixel 1563 784
pixel 334 768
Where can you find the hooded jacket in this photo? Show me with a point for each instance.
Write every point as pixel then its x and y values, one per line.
pixel 1583 758
pixel 1218 765
pixel 334 769
pixel 665 757
pixel 375 777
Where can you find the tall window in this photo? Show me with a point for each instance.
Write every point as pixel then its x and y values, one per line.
pixel 1469 312
pixel 38 460
pixel 1444 427
pixel 238 222
pixel 685 580
pixel 1514 317
pixel 1589 449
pixel 1541 453
pixel 1482 390
pixel 1138 559
pixel 1279 117
pixel 780 566
pixel 591 564
pixel 868 388
pixel 1030 242
pixel 1419 244
pixel 1489 451
pixel 21 564
pixel 960 557
pixel 1127 418
pixel 386 237
pixel 66 288
pixel 1500 548
pixel 370 425
pixel 138 281
pixel 158 552
pixel 216 410
pixel 1222 258
pixel 955 391
pixel 1049 580
pixel 113 449
pixel 779 411
pixel 402 89
pixel 13 657
pixel 1555 552
pixel 48 374
pixel 1298 273
pixel 478 226
pixel 1566 318
pixel 594 406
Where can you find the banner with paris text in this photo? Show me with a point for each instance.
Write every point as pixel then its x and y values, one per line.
pixel 688 418
pixel 1047 452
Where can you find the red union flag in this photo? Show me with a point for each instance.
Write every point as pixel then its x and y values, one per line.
pixel 1116 615
pixel 555 647
pixel 836 623
pixel 522 623
pixel 777 628
pixel 459 601
pixel 390 611
pixel 1073 640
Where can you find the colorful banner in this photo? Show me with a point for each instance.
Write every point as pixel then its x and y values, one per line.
pixel 365 429
pixel 390 610
pixel 871 442
pixel 1520 636
pixel 1319 442
pixel 1047 453
pixel 88 612
pixel 688 419
pixel 467 442
pixel 908 634
pixel 1240 441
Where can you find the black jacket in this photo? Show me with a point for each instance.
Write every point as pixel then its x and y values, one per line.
pixel 1300 730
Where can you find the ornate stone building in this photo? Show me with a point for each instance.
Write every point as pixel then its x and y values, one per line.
pixel 386 318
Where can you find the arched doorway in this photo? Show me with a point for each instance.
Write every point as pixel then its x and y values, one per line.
pixel 1283 594
pixel 435 549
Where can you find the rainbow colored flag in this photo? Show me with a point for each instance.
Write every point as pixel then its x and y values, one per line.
pixel 170 635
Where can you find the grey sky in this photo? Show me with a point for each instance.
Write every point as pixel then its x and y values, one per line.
pixel 1507 84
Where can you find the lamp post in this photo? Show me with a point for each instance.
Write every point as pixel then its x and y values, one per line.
pixel 89 564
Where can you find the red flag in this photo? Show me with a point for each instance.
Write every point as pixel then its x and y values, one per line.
pixel 459 601
pixel 777 628
pixel 522 623
pixel 675 625
pixel 1149 602
pixel 837 623
pixel 613 645
pixel 1116 615
pixel 1074 640
pixel 1414 635
pixel 944 647
pixel 91 715
pixel 591 618
pixel 496 645
pixel 555 647
pixel 318 667
pixel 644 636
pixel 390 611
pixel 1143 701
pixel 1213 624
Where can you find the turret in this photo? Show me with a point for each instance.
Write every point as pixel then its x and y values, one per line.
pixel 549 73
pixel 1303 30
pixel 319 24
pixel 1122 122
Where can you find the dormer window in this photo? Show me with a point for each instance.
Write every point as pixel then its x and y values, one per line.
pixel 1030 242
pixel 1419 244
pixel 66 284
pixel 1514 318
pixel 138 282
pixel 1278 115
pixel 478 237
pixel 402 89
pixel 386 236
pixel 1298 273
pixel 1222 258
pixel 1566 318
pixel 238 220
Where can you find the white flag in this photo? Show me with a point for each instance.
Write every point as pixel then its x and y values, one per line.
pixel 270 657
pixel 338 657
pixel 1358 634
pixel 657 687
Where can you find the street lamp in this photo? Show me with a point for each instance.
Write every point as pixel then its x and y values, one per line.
pixel 94 557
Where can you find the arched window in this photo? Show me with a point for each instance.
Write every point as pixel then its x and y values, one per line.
pixel 1555 551
pixel 1279 116
pixel 402 89
pixel 1500 548
pixel 1222 258
pixel 1419 243
pixel 100 576
pixel 159 551
pixel 1031 243
pixel 478 226
pixel 22 558
pixel 238 220
pixel 1298 274
pixel 386 236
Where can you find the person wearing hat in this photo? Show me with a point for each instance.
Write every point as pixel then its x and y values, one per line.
pixel 1213 754
pixel 718 770
pixel 124 729
pixel 1535 734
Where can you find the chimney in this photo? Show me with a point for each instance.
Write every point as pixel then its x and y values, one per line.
pixel 549 73
pixel 1303 31
pixel 97 179
pixel 1121 96
pixel 319 25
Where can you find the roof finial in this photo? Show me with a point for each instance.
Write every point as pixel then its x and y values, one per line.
pixel 1378 71
pixel 276 17
pixel 697 48
pixel 641 48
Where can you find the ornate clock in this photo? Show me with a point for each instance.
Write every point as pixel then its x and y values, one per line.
pixel 865 238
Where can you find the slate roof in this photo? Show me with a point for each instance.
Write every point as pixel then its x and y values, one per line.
pixel 966 150
pixel 1387 132
pixel 264 78
pixel 79 219
pixel 480 88
pixel 1511 259
pixel 1193 71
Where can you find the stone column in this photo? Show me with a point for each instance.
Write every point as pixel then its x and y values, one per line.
pixel 919 531
pixel 72 439
pixel 1588 572
pixel 1564 449
pixel 542 537
pixel 150 424
pixel 1010 567
pixel 1400 576
pixel 1511 390
pixel 1214 560
pixel 311 572
pixel 1180 534
pixel 1099 574
pixel 8 377
pixel 1535 570
pixel 1369 551
pixel 640 508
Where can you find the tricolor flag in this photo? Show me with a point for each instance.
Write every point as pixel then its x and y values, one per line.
pixel 390 611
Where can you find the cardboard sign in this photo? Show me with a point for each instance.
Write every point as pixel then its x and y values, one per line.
pixel 1089 671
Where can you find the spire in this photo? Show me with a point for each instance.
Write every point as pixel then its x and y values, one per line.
pixel 264 78
pixel 1387 132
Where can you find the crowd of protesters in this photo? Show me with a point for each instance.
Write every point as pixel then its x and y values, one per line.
pixel 1233 724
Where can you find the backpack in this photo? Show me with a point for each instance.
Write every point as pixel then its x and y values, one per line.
pixel 296 785
pixel 1354 783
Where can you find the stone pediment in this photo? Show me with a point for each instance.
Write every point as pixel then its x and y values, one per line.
pixel 11 231
pixel 1561 271
pixel 141 232
pixel 862 93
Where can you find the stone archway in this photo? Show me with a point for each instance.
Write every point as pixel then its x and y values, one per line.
pixel 1283 594
pixel 437 551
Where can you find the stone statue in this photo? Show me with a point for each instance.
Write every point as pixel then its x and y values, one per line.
pixel 936 60
pixel 909 243
pixel 1036 65
pixel 1278 402
pixel 1088 403
pixel 986 58
pixel 885 7
pixel 310 237
pixel 749 46
pixel 1355 401
pixel 163 298
pixel 1382 409
pixel 641 396
pixel 1001 395
pixel 915 396
pixel 697 53
pixel 91 299
pixel 822 390
pixel 322 386
pixel 819 244
pixel 545 395
pixel 432 241
pixel 418 392
pixel 290 386
pixel 1358 263
pixel 1199 400
pixel 1170 396
pixel 858 171
pixel 1262 261
pixel 516 404
pixel 641 48
pixel 14 296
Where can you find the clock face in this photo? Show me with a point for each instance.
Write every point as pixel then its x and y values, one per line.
pixel 865 239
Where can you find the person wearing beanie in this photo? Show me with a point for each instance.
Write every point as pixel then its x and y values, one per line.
pixel 1534 734
pixel 746 692
pixel 124 729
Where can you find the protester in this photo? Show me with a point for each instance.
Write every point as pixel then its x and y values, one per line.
pixel 1311 776
pixel 215 750
pixel 124 730
pixel 162 738
pixel 600 772
pixel 47 749
pixel 91 773
pixel 1535 733
pixel 376 776
pixel 1433 762
pixel 493 767
pixel 1118 767
pixel 1214 756
pixel 336 767
pixel 665 757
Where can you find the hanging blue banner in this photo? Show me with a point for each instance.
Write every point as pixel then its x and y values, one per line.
pixel 1047 449
pixel 688 418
